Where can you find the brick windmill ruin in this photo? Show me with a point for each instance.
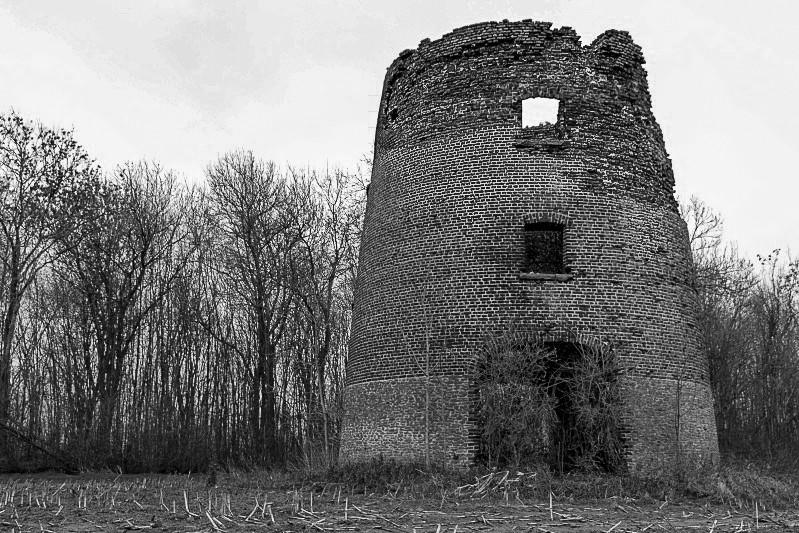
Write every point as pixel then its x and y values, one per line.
pixel 478 216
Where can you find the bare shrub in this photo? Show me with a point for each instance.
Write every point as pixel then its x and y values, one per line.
pixel 597 402
pixel 555 403
pixel 514 408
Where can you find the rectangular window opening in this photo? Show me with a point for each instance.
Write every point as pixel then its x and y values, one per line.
pixel 539 111
pixel 543 243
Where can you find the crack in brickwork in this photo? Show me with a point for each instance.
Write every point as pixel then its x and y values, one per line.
pixel 456 178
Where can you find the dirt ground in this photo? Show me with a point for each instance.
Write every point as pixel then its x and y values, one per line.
pixel 107 502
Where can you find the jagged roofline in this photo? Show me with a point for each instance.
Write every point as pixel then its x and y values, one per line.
pixel 612 55
pixel 450 43
pixel 608 73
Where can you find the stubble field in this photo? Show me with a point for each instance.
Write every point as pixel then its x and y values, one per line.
pixel 260 502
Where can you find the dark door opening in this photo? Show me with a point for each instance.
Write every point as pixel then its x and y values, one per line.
pixel 560 384
pixel 554 403
pixel 586 427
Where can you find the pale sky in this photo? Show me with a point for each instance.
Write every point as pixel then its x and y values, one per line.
pixel 298 82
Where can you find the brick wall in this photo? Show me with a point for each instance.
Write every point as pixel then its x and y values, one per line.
pixel 455 180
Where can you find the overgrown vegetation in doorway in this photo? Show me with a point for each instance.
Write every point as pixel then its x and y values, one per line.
pixel 554 403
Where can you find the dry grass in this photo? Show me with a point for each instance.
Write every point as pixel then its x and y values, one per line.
pixel 403 498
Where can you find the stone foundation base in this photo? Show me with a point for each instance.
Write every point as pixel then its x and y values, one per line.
pixel 388 418
pixel 666 422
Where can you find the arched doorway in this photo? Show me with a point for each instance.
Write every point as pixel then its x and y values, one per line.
pixel 555 403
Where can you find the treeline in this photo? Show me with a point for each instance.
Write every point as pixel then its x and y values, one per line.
pixel 149 325
pixel 749 317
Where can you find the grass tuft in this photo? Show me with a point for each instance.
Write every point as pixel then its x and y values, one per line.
pixel 736 485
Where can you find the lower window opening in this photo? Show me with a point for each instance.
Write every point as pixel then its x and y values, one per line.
pixel 543 247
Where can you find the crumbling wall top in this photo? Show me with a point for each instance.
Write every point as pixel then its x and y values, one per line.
pixel 477 76
pixel 527 35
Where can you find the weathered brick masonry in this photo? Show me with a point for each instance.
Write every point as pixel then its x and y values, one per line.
pixel 455 180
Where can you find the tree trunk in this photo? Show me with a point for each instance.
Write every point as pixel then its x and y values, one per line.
pixel 268 408
pixel 9 327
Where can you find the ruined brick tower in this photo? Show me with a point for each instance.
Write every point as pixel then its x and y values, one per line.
pixel 475 220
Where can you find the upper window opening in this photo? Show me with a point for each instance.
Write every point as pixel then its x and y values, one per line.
pixel 539 111
pixel 543 243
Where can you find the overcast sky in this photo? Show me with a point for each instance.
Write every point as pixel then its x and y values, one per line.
pixel 298 82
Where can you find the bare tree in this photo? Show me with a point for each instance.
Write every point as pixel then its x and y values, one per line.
pixel 748 317
pixel 45 180
pixel 249 205
pixel 111 265
pixel 327 218
pixel 153 317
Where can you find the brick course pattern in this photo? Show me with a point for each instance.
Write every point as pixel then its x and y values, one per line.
pixel 456 178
